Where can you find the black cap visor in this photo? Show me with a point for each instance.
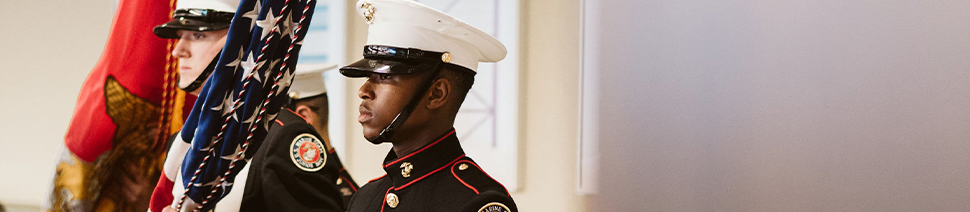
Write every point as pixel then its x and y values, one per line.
pixel 365 67
pixel 170 30
pixel 194 19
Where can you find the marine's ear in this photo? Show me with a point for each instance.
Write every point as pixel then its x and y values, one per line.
pixel 439 93
pixel 306 112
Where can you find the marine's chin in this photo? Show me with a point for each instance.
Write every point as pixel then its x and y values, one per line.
pixel 372 134
pixel 375 141
pixel 184 83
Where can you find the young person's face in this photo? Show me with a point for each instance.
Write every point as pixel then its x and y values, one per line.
pixel 195 50
pixel 382 98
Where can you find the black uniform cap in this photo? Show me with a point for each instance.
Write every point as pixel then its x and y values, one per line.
pixel 392 60
pixel 193 19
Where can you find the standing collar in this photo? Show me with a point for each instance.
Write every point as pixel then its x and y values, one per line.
pixel 417 165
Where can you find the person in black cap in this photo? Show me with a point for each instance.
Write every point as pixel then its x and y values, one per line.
pixel 420 64
pixel 293 170
pixel 201 27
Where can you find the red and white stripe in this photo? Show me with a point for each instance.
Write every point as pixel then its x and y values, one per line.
pixel 166 191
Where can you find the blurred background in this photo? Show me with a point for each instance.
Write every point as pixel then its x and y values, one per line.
pixel 622 105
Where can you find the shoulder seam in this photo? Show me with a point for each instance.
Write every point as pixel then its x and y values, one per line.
pixel 378 178
pixel 480 170
pixel 459 178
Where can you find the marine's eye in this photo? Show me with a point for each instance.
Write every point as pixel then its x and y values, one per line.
pixel 198 35
pixel 384 76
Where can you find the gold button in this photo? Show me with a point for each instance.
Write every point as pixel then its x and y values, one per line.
pixel 406 169
pixel 446 57
pixel 463 166
pixel 294 95
pixel 339 181
pixel 392 200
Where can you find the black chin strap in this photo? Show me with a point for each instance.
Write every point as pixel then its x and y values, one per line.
pixel 202 76
pixel 388 131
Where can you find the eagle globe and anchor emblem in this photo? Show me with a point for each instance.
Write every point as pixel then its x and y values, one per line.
pixel 308 153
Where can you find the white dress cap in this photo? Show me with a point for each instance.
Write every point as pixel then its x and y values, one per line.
pixel 218 5
pixel 408 24
pixel 308 80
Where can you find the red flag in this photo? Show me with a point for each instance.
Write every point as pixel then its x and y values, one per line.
pixel 127 108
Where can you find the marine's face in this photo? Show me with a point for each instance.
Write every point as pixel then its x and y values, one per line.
pixel 195 50
pixel 382 98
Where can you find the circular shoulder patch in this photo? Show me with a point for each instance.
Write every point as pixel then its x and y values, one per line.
pixel 494 207
pixel 308 153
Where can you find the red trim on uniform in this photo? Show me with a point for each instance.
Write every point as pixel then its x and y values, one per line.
pixel 279 122
pixel 429 173
pixel 348 183
pixel 422 149
pixel 384 203
pixel 378 178
pixel 459 179
pixel 332 151
pixel 351 184
pixel 298 115
pixel 493 179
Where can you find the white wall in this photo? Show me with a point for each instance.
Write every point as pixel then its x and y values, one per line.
pixel 47 49
pixel 821 105
pixel 550 87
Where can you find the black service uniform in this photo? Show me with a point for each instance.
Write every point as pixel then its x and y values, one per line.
pixel 294 171
pixel 437 177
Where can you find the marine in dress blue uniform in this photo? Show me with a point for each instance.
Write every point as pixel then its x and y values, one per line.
pixel 438 177
pixel 296 170
pixel 419 64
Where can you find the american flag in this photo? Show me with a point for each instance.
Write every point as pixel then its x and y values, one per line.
pixel 242 97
